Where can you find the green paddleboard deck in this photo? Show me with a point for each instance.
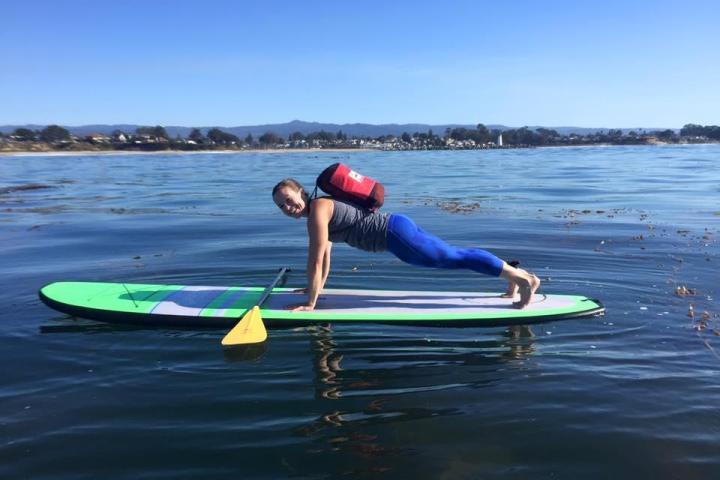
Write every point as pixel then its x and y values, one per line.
pixel 206 306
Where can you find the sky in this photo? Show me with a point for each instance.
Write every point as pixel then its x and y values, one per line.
pixel 609 64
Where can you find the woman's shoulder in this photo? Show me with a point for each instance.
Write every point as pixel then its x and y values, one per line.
pixel 322 206
pixel 326 201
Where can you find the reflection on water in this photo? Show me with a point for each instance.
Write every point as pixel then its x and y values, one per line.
pixel 245 353
pixel 326 362
pixel 334 382
pixel 376 390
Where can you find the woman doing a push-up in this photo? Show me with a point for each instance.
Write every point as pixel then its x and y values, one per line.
pixel 330 220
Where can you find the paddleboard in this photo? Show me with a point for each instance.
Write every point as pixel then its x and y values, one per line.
pixel 208 306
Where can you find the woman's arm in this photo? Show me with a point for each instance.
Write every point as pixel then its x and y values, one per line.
pixel 326 265
pixel 326 271
pixel 318 245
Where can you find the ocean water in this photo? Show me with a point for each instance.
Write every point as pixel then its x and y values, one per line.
pixel 632 394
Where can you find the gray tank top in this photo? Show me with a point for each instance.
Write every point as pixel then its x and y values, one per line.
pixel 358 228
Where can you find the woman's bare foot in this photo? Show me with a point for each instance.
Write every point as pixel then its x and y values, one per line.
pixel 511 291
pixel 512 288
pixel 520 281
pixel 526 291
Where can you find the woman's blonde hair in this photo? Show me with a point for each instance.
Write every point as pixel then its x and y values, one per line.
pixel 288 182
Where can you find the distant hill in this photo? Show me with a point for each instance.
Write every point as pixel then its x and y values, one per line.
pixel 285 129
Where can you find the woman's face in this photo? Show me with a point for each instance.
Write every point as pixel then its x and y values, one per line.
pixel 290 201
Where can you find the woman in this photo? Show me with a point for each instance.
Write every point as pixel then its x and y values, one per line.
pixel 330 220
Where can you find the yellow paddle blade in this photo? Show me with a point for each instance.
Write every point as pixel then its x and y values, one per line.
pixel 250 329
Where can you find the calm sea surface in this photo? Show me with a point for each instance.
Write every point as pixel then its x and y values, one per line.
pixel 633 394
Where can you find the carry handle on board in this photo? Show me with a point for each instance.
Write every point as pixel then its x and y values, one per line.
pixel 251 329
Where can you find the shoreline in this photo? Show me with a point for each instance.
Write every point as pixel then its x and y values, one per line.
pixel 177 152
pixel 55 153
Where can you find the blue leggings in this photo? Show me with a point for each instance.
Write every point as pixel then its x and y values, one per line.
pixel 415 246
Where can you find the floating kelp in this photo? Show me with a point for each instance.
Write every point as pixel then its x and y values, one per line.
pixel 450 206
pixel 683 291
pixel 136 211
pixel 24 188
pixel 458 207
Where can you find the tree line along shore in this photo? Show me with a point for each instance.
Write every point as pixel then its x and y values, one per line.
pixel 55 138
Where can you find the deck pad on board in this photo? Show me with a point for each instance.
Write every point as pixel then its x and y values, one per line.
pixel 222 306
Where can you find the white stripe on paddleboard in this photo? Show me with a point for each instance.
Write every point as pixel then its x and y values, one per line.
pixel 368 302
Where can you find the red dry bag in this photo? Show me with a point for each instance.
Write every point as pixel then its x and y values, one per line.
pixel 342 183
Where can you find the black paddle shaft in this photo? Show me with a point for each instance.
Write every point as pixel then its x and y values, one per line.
pixel 280 278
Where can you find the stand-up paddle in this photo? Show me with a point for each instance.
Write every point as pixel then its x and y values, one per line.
pixel 251 329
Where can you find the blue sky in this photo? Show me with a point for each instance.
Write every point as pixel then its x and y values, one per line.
pixel 229 63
